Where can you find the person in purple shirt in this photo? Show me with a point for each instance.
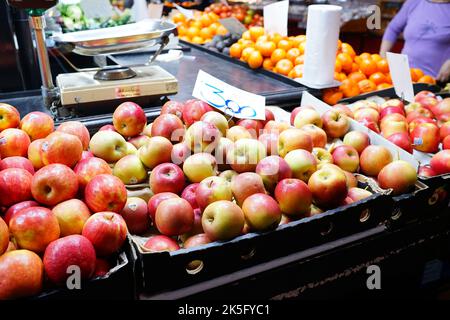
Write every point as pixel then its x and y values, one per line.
pixel 426 29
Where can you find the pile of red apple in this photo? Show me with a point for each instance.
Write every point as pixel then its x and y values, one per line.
pixel 423 125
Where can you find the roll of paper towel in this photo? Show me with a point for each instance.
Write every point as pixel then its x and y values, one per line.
pixel 322 35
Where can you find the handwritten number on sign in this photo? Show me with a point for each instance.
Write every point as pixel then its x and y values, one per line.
pixel 227 104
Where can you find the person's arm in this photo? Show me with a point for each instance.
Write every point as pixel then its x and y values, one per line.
pixel 444 73
pixel 385 46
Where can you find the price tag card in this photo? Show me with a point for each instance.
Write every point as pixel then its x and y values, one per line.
pixel 189 14
pixel 276 18
pixel 401 75
pixel 225 2
pixel 97 8
pixel 228 99
pixel 155 10
pixel 233 25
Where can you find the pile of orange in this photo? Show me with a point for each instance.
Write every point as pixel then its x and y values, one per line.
pixel 199 30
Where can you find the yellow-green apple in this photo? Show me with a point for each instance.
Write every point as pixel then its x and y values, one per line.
pixel 174 217
pixel 397 103
pixel 148 130
pixel 255 127
pixel 237 132
pixel 276 126
pixel 105 192
pixel 189 194
pixel 364 104
pixel 13 142
pixel 107 231
pixel 108 145
pixel 200 166
pixel 268 116
pixel 371 125
pixel 89 168
pixel 107 127
pixel 402 140
pixel 222 220
pixel 336 125
pixel 73 250
pixel 367 113
pixel 17 162
pixel 17 207
pixel 412 107
pixel 357 139
pixel 193 110
pixel 180 152
pixel 302 164
pixel 212 189
pixel 286 219
pixel 245 154
pixel 155 200
pixel 22 274
pixel 425 137
pixel 72 215
pixel 390 128
pixel 294 197
pixel 270 141
pixel 246 184
pixel 307 116
pixel 357 194
pixel 53 184
pixel 400 176
pixel 130 170
pixel 318 136
pixel 322 156
pixel 393 117
pixel 60 147
pixel 157 151
pixel 391 109
pixel 444 130
pixel 167 177
pixel 131 149
pixel 4 236
pixel 344 110
pixel 228 175
pixel 161 243
pixel 273 169
pixel 221 151
pixel 328 187
pixel 168 126
pixel 346 157
pixel 34 228
pixel 261 212
pixel 426 171
pixel 217 119
pixel 15 186
pixel 420 112
pixel 440 162
pixel 139 141
pixel 129 119
pixel 173 107
pixel 9 117
pixel 34 153
pixel 441 108
pixel 293 139
pixel 418 121
pixel 373 159
pixel 196 240
pixel 352 182
pixel 294 113
pixel 202 137
pixel 135 214
pixel 37 125
pixel 446 143
pixel 77 129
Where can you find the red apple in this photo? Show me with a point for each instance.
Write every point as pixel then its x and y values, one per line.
pixel 34 153
pixel 129 119
pixel 62 254
pixel 4 236
pixel 397 103
pixel 371 125
pixel 352 182
pixel 212 189
pixel 86 155
pixel 155 200
pixel 440 162
pixel 200 166
pixel 13 142
pixel 418 121
pixel 161 243
pixel 446 143
pixel 346 158
pixel 130 170
pixel 430 103
pixel 9 117
pixel 15 186
pixel 272 170
pixel 53 184
pixel 302 164
pixel 294 113
pixel 189 195
pixel 293 139
pixel 335 124
pixel 270 141
pixel 261 212
pixel 157 151
pixel 139 141
pixel 373 159
pixel 393 117
pixel 268 116
pixel 275 127
pixel 135 214
pixel 223 220
pixel 37 125
pixel 173 107
pixel 425 137
pixel 22 274
pixel 246 184
pixel 174 217
pixel 202 137
pixel 402 140
pixel 367 113
pixel 34 228
pixel 328 187
pixel 344 110
pixel 168 126
pixel 390 128
pixel 89 168
pixel 60 147
pixel 107 232
pixel 390 110
pixel 357 139
pixel 318 136
pixel 255 127
pixel 17 207
pixel 193 110
pixel 180 152
pixel 77 129
pixel 426 171
pixel 357 194
pixel 444 130
pixel 441 108
pixel 196 240
pixel 294 197
pixel 102 267
pixel 420 112
pixel 424 94
pixel 217 119
pixel 237 132
pixel 399 176
pixel 197 228
pixel 105 193
pixel 108 127
pixel 17 162
pixel 167 177
pixel 72 215
pixel 245 154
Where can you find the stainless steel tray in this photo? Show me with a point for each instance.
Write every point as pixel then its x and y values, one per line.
pixel 120 39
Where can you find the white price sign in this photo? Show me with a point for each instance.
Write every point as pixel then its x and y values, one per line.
pixel 228 99
pixel 401 75
pixel 233 25
pixel 276 18
pixel 189 14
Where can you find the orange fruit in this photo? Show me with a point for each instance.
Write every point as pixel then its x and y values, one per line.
pixel 377 78
pixel 178 17
pixel 427 79
pixel 213 27
pixel 246 53
pixel 355 67
pixel 357 60
pixel 192 32
pixel 296 41
pixel 383 66
pixel 338 66
pixel 182 30
pixel 299 60
pixel 346 62
pixel 302 47
pixel 275 37
pixel 339 44
pixel 284 44
pixel 196 24
pixel 292 54
pixel 416 74
pixel 349 88
pixel 267 64
pixel 221 30
pixel 197 40
pixel 388 78
pixel 365 55
pixel 284 66
pixel 247 43
pixel 296 72
pixel 246 35
pixel 277 55
pixel 235 50
pixel 214 17
pixel 265 47
pixel 368 66
pixel 382 86
pixel 356 76
pixel 255 59
pixel 376 57
pixel 341 76
pixel 256 32
pixel 348 49
pixel 205 20
pixel 205 33
pixel 263 38
pixel 366 86
pixel 332 96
